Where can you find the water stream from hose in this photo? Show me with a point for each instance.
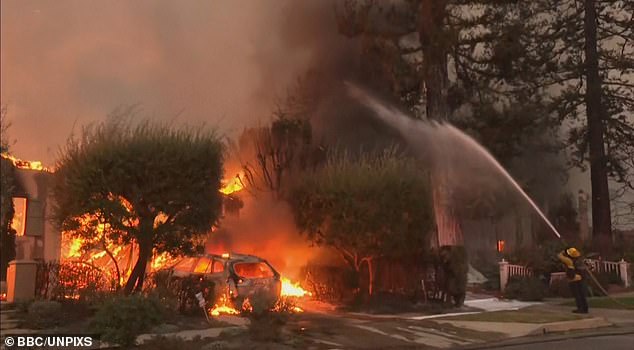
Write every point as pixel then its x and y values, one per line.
pixel 446 140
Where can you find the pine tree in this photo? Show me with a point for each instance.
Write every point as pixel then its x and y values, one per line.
pixel 473 71
pixel 588 48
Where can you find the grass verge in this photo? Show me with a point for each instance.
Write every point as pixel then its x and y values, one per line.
pixel 626 303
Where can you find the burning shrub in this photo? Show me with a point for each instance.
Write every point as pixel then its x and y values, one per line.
pixel 266 322
pixel 329 283
pixel 70 280
pixel 121 319
pixel 180 293
pixel 162 286
pixel 157 187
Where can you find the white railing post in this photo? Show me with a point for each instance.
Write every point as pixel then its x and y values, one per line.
pixel 623 271
pixel 504 274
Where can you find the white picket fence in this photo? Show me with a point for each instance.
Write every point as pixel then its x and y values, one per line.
pixel 604 266
pixel 509 270
pixel 622 269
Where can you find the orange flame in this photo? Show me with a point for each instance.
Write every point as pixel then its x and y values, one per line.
pixel 223 308
pixel 290 289
pixel 160 261
pixel 98 256
pixel 25 164
pixel 74 249
pixel 246 305
pixel 297 309
pixel 233 185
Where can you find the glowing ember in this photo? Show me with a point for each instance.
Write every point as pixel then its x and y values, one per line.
pixel 25 164
pixel 160 261
pixel 97 256
pixel 290 289
pixel 234 185
pixel 246 305
pixel 74 249
pixel 223 308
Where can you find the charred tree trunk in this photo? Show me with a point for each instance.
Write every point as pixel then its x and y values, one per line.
pixel 447 222
pixel 116 265
pixel 601 216
pixel 135 281
pixel 129 286
pixel 435 48
pixel 370 276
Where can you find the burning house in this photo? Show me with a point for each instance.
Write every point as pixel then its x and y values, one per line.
pixel 36 237
pixel 38 240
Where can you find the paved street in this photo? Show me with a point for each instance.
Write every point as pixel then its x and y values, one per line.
pixel 339 331
pixel 356 330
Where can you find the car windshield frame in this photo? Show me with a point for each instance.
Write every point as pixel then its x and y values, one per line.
pixel 274 273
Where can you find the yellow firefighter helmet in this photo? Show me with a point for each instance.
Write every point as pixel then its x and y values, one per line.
pixel 573 252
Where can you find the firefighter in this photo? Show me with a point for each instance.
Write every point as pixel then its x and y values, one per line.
pixel 575 273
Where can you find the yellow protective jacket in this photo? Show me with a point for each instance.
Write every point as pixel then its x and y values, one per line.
pixel 572 272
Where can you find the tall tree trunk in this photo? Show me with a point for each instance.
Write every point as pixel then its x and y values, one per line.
pixel 447 222
pixel 134 276
pixel 135 281
pixel 582 210
pixel 435 50
pixel 601 217
pixel 370 275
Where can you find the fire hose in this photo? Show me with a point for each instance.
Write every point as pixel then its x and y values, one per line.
pixel 589 271
pixel 602 289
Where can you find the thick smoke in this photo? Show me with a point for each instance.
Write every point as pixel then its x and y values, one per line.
pixel 224 63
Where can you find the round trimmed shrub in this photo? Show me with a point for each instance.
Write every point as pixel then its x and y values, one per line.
pixel 121 319
pixel 44 314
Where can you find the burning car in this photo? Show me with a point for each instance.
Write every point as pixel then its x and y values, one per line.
pixel 236 276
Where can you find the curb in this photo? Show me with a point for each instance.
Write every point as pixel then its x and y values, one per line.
pixel 549 338
pixel 566 326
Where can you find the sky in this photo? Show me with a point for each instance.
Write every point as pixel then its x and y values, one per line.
pixel 67 63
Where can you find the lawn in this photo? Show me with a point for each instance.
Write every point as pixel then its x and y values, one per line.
pixel 607 303
pixel 527 315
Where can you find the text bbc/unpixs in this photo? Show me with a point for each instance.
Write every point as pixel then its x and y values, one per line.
pixel 49 341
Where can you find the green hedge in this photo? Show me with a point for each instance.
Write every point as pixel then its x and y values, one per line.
pixel 525 289
pixel 121 319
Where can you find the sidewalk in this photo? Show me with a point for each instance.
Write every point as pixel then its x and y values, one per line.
pixel 536 321
pixel 618 317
